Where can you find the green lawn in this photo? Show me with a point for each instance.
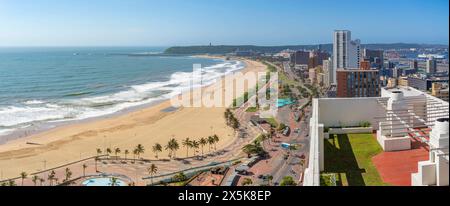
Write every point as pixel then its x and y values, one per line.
pixel 252 109
pixel 272 122
pixel 282 76
pixel 349 157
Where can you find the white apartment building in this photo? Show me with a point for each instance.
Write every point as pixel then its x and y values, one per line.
pixel 328 71
pixel 346 53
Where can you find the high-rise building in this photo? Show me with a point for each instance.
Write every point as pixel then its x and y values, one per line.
pixel 300 58
pixel 358 83
pixel 346 53
pixel 313 61
pixel 425 84
pixel 403 81
pixel 440 90
pixel 390 65
pixel 328 71
pixel 312 75
pixel 391 83
pixel 396 72
pixel 414 64
pixel 320 79
pixel 321 56
pixel 365 65
pixel 431 65
pixel 375 57
pixel 316 58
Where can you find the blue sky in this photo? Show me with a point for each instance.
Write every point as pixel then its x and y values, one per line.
pixel 194 22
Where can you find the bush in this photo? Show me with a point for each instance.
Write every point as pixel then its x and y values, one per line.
pixel 236 162
pixel 365 124
pixel 179 177
pixel 287 181
pixel 281 127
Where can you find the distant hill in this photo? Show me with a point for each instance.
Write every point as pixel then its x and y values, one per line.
pixel 224 49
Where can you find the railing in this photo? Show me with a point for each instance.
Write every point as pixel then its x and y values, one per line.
pixel 55 168
pixel 193 169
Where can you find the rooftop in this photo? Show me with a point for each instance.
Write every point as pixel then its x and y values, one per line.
pixel 403 118
pixel 395 168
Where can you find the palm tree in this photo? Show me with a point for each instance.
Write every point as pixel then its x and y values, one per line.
pixel 269 179
pixel 11 183
pixel 68 174
pixel 35 178
pixel 264 138
pixel 117 151
pixel 175 146
pixel 156 149
pixel 252 149
pixel 186 143
pixel 152 171
pixel 210 142
pixel 51 177
pixel 23 175
pixel 135 153
pixel 84 170
pixel 114 181
pixel 203 142
pixel 169 147
pixel 140 149
pixel 99 152
pixel 172 146
pixel 271 133
pixel 216 139
pixel 195 145
pixel 41 181
pixel 126 152
pixel 108 151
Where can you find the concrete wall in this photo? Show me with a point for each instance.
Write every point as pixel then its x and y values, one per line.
pixel 349 111
pixel 355 130
pixel 315 161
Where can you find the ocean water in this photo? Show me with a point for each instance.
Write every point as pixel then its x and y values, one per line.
pixel 45 85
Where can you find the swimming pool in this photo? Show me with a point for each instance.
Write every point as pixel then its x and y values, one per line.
pixel 284 102
pixel 103 181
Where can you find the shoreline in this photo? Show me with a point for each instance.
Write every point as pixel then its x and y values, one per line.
pixel 26 132
pixel 123 129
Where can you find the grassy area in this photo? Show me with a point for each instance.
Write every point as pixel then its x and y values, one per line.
pixel 270 68
pixel 272 121
pixel 349 157
pixel 252 109
pixel 326 179
pixel 285 80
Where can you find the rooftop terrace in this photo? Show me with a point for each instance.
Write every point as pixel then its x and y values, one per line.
pixel 349 158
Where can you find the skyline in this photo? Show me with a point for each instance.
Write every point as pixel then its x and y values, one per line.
pixel 181 23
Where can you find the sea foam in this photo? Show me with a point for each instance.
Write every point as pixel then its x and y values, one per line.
pixel 32 112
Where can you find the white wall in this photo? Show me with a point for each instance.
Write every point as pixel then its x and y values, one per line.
pixel 315 160
pixel 349 111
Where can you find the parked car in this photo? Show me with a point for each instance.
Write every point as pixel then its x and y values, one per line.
pixel 286 131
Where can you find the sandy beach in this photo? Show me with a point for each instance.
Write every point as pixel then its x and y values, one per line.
pixel 155 124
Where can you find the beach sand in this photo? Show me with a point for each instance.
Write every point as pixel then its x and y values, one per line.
pixel 155 124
